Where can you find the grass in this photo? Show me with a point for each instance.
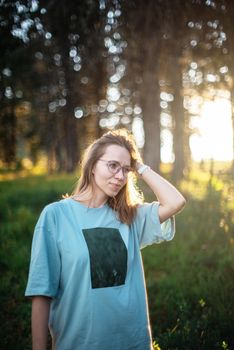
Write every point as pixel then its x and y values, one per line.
pixel 189 280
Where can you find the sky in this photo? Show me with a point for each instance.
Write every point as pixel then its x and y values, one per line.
pixel 215 139
pixel 211 123
pixel 214 136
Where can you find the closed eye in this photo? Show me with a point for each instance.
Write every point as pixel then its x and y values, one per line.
pixel 114 165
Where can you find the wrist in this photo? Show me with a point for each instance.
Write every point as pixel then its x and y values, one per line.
pixel 142 168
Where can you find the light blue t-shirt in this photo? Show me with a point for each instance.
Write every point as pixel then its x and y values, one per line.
pixel 90 264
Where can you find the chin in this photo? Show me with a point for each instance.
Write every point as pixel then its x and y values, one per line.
pixel 112 194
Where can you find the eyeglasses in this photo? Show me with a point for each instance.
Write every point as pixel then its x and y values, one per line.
pixel 114 167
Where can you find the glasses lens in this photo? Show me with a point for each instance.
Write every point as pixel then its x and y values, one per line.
pixel 114 167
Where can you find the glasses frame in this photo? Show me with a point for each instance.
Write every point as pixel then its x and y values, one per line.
pixel 125 169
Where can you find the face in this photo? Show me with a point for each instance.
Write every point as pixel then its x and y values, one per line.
pixel 106 183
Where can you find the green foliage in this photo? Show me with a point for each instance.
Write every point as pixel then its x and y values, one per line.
pixel 21 202
pixel 189 280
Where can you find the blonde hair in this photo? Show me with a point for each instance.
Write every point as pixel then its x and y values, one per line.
pixel 126 201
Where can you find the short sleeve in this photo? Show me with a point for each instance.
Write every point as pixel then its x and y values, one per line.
pixel 44 271
pixel 148 226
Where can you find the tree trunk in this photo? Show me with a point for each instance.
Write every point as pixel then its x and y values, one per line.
pixel 229 29
pixel 150 93
pixel 151 113
pixel 232 109
pixel 179 125
pixel 71 143
pixel 231 68
pixel 8 138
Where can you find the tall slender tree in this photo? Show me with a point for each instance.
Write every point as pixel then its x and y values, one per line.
pixel 143 33
pixel 227 17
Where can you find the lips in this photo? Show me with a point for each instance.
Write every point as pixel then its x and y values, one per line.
pixel 115 186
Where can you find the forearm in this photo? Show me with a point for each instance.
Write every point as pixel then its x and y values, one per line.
pixel 40 317
pixel 170 199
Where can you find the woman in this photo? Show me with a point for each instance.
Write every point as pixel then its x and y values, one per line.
pixel 86 278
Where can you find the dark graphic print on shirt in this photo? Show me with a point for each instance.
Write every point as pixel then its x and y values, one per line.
pixel 108 256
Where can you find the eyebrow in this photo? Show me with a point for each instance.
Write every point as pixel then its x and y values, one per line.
pixel 116 161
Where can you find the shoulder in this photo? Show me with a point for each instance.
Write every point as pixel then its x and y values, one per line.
pixel 54 206
pixel 52 213
pixel 53 209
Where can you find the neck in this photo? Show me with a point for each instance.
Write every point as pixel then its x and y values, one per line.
pixel 90 199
